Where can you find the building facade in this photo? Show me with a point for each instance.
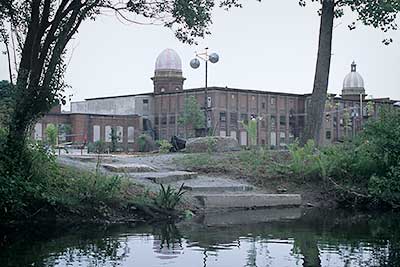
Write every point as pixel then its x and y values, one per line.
pixel 280 116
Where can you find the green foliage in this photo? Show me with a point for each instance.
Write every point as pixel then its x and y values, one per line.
pixel 51 135
pixel 211 143
pixel 377 14
pixel 98 147
pixel 115 138
pixel 146 143
pixel 168 198
pixel 305 161
pixel 254 162
pixel 5 103
pixel 251 129
pixel 164 146
pixel 192 114
pixel 386 188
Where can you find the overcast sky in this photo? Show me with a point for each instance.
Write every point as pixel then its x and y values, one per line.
pixel 269 46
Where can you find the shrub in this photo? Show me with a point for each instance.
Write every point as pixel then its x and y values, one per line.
pixel 164 146
pixel 98 147
pixel 386 188
pixel 146 143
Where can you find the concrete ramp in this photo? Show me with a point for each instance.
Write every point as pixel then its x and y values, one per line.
pixel 248 200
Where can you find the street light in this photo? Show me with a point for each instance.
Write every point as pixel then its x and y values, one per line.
pixel 195 63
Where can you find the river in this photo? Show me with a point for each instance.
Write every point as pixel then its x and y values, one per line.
pixel 290 237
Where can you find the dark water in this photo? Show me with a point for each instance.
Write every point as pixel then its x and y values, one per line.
pixel 255 238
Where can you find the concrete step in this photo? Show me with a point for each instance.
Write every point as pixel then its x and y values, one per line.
pixel 217 188
pixel 248 200
pixel 167 177
pixel 128 168
pixel 212 184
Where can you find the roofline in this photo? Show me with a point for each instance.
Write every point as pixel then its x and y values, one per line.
pixel 117 96
pixel 217 88
pixel 92 114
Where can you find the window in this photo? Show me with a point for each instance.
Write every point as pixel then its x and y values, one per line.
pixel 107 133
pixel 328 135
pixel 177 88
pixel 273 121
pixel 273 139
pixel 233 96
pixel 273 100
pixel 233 134
pixel 162 90
pixel 96 133
pixel 164 120
pixel 263 125
pixel 263 142
pixel 131 134
pixel 263 105
pixel 120 133
pixel 244 118
pixel 234 118
pixel 282 139
pixel 156 121
pixel 282 120
pixel 172 120
pixel 222 133
pixel 145 104
pixel 222 117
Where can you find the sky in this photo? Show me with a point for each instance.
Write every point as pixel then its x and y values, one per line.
pixel 268 46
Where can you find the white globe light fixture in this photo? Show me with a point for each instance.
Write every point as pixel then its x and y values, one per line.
pixel 195 63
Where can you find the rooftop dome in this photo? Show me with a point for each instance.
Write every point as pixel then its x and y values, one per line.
pixel 168 60
pixel 353 83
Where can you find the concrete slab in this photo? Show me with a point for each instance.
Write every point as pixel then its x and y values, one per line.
pixel 242 217
pixel 128 168
pixel 167 177
pixel 212 184
pixel 248 200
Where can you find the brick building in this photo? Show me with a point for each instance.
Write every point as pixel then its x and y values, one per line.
pixel 280 116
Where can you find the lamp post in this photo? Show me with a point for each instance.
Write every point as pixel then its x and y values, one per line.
pixel 195 63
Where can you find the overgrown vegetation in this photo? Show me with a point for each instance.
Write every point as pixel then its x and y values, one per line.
pixel 164 146
pixel 363 171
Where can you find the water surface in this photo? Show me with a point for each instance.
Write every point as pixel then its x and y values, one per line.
pixel 255 238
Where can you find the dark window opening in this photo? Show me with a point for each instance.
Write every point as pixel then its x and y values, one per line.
pixel 263 105
pixel 222 116
pixel 282 120
pixel 164 120
pixel 172 120
pixel 328 135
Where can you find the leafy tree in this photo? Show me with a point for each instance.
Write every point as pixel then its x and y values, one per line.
pixel 52 135
pixel 5 102
pixel 43 29
pixel 192 115
pixel 378 14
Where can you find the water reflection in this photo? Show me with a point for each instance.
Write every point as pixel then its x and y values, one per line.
pixel 315 238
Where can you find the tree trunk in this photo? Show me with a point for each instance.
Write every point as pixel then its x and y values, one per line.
pixel 315 111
